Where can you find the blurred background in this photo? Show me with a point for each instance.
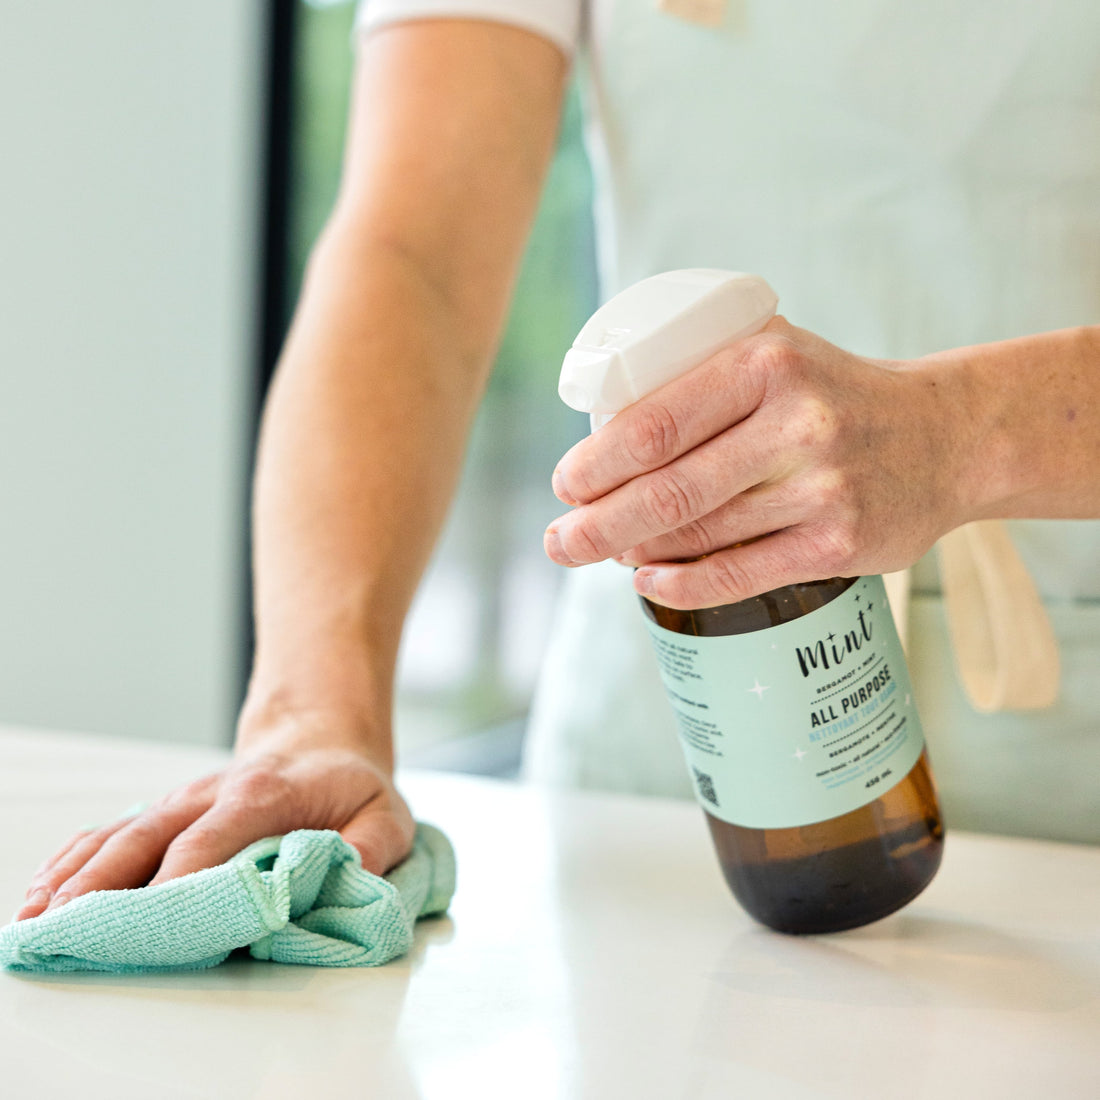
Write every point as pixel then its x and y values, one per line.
pixel 167 168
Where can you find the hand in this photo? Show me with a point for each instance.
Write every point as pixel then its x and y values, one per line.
pixel 292 780
pixel 779 460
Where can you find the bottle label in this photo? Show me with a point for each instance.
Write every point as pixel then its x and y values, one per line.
pixel 797 723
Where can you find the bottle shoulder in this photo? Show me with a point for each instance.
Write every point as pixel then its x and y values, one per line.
pixel 774 608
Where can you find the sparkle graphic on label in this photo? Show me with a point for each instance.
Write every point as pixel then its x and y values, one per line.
pixel 758 689
pixel 832 731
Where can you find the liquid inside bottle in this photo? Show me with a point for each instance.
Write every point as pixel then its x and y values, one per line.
pixel 846 870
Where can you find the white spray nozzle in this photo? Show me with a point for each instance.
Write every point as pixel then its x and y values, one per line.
pixel 654 331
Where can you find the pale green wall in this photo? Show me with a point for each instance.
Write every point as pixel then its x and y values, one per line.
pixel 128 262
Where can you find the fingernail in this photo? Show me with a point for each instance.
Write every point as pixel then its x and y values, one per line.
pixel 557 483
pixel 58 901
pixel 643 582
pixel 554 548
pixel 37 897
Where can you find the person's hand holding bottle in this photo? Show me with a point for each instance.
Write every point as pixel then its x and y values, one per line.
pixel 785 459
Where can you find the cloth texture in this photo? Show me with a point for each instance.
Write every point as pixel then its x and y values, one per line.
pixel 300 898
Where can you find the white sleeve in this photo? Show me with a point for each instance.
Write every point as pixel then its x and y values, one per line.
pixel 558 20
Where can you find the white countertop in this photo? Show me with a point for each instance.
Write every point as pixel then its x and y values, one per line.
pixel 592 951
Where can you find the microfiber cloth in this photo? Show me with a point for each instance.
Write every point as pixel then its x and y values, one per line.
pixel 300 898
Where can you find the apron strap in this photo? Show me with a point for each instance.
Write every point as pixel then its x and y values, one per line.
pixel 897 593
pixel 708 13
pixel 1005 649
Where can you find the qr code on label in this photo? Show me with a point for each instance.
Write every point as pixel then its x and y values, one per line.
pixel 705 785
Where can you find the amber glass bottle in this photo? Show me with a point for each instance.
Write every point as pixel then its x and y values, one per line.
pixel 845 870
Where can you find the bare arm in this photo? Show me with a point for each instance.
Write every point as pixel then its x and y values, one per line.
pixel 451 133
pixel 389 354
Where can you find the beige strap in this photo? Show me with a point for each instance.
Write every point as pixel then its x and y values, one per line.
pixel 897 592
pixel 708 13
pixel 1005 648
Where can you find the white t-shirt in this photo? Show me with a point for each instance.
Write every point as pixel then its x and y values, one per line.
pixel 909 177
pixel 558 20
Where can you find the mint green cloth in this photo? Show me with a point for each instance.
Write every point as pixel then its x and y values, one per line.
pixel 301 898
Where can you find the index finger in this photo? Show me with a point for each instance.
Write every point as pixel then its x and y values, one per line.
pixel 125 855
pixel 658 428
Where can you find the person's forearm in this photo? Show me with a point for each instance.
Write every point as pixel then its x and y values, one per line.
pixel 452 129
pixel 361 444
pixel 1031 422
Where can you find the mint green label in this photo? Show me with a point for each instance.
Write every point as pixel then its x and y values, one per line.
pixel 798 723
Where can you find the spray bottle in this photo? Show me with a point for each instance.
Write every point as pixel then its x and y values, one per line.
pixel 794 708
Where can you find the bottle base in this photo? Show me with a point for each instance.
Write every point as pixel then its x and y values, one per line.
pixel 839 888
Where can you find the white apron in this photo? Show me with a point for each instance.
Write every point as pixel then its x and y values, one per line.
pixel 909 178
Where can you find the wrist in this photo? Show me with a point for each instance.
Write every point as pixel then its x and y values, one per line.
pixel 943 394
pixel 1020 447
pixel 285 721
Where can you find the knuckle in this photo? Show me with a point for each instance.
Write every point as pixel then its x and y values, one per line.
pixel 830 492
pixel 96 838
pixel 81 882
pixel 180 800
pixel 583 544
pixel 695 539
pixel 835 548
pixel 780 326
pixel 670 500
pixel 191 792
pixel 776 358
pixel 198 838
pixel 142 831
pixel 259 786
pixel 49 879
pixel 90 834
pixel 814 425
pixel 652 437
pixel 726 578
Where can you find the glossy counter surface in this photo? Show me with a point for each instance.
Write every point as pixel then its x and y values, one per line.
pixel 592 951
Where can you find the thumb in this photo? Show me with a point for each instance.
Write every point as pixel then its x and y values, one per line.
pixel 382 835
